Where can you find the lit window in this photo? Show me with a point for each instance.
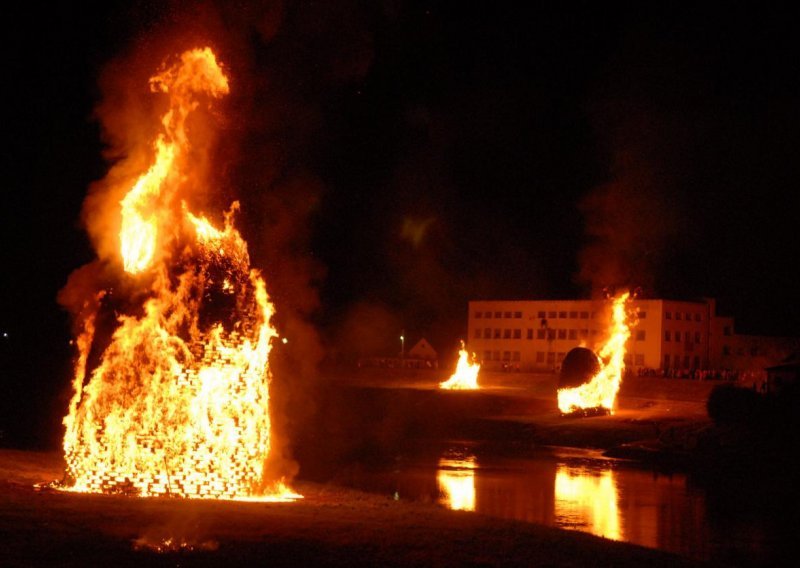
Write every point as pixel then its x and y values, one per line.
pixel 640 335
pixel 517 334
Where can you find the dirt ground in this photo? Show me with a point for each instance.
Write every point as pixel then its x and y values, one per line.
pixel 331 526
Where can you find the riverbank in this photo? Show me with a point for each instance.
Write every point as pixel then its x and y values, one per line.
pixel 331 526
pixel 378 414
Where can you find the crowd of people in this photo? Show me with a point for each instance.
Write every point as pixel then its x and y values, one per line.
pixel 730 375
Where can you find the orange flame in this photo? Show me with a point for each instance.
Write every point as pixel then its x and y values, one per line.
pixel 178 402
pixel 466 375
pixel 587 499
pixel 456 480
pixel 601 391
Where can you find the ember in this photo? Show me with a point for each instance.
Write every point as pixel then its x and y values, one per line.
pixel 177 402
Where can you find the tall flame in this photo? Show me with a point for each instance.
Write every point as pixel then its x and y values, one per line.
pixel 177 400
pixel 601 391
pixel 466 374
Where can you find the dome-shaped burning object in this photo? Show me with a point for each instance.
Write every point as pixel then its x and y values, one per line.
pixel 578 368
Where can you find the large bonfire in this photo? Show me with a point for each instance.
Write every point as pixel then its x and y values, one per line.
pixel 173 399
pixel 601 390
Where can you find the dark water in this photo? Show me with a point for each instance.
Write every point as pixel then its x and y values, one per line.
pixel 581 490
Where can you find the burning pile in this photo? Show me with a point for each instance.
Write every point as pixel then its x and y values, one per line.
pixel 466 375
pixel 600 392
pixel 172 398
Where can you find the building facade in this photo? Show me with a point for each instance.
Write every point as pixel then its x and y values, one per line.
pixel 534 335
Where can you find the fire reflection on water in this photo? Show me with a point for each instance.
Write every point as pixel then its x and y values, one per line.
pixel 587 500
pixel 456 480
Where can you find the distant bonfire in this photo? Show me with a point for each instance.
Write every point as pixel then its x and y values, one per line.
pixel 466 375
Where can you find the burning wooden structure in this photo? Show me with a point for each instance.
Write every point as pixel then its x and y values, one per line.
pixel 171 384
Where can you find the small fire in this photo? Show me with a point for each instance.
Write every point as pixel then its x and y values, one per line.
pixel 174 400
pixel 466 375
pixel 601 391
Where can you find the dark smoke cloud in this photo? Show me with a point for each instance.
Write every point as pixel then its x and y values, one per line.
pixel 637 220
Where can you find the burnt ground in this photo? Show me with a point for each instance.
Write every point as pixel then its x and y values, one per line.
pixel 331 526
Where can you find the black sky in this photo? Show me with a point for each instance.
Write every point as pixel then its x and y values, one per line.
pixel 527 145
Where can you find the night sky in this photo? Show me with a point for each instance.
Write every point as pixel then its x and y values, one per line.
pixel 395 160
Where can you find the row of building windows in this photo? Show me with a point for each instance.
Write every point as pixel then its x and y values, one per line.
pixel 551 334
pixel 498 315
pixel 687 336
pixel 674 362
pixel 541 315
pixel 544 315
pixel 496 356
pixel 684 315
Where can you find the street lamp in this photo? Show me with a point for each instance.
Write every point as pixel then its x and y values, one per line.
pixel 403 346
